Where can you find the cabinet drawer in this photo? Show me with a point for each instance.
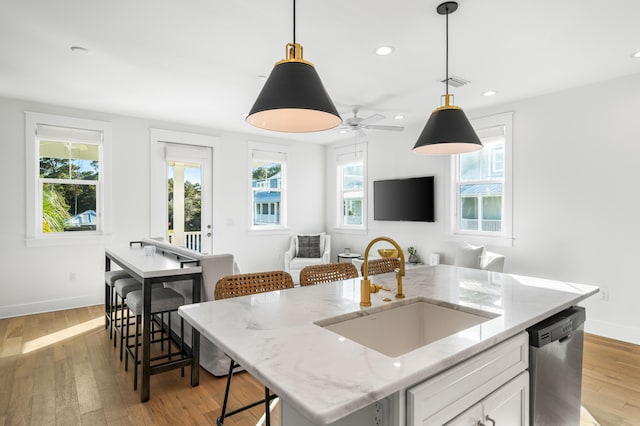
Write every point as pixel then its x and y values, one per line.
pixel 444 396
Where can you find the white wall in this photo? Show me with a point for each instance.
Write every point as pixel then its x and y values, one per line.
pixel 36 279
pixel 576 208
pixel 576 184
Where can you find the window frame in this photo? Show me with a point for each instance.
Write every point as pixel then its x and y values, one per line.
pixel 505 237
pixel 358 153
pixel 33 227
pixel 268 151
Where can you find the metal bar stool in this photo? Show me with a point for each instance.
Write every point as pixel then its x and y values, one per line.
pixel 242 285
pixel 122 288
pixel 163 300
pixel 110 307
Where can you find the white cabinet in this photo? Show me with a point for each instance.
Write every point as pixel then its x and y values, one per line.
pixel 473 389
pixel 506 406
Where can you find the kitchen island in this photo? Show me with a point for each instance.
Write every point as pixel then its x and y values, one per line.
pixel 322 376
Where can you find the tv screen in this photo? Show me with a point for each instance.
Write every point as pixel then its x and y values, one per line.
pixel 404 199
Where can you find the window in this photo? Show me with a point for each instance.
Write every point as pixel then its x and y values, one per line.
pixel 481 190
pixel 66 176
pixel 268 183
pixel 352 195
pixel 351 191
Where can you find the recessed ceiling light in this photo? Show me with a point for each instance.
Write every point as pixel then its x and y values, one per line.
pixel 344 131
pixel 399 117
pixel 384 50
pixel 490 93
pixel 79 49
pixel 636 55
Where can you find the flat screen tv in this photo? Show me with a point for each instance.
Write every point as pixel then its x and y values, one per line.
pixel 409 199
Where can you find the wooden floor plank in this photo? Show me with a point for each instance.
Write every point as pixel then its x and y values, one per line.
pixel 80 380
pixel 7 371
pixel 94 418
pixel 43 410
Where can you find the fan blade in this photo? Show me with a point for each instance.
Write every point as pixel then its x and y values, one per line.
pixel 372 119
pixel 392 128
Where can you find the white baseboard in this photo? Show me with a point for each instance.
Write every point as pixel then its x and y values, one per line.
pixel 50 305
pixel 613 331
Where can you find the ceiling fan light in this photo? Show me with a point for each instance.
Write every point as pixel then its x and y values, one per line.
pixel 447 131
pixel 293 98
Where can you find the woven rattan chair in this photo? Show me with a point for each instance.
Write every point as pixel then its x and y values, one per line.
pixel 241 285
pixel 330 272
pixel 381 266
pixel 244 284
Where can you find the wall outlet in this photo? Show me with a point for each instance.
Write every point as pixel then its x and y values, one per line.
pixel 378 414
pixel 604 295
pixel 381 413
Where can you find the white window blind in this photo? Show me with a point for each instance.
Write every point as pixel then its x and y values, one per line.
pixel 68 134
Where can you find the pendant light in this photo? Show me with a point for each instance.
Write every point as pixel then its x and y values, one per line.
pixel 293 98
pixel 448 130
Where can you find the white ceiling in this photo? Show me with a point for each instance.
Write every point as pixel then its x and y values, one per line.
pixel 198 61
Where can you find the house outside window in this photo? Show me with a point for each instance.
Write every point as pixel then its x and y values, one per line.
pixel 268 195
pixel 66 170
pixel 481 190
pixel 352 195
pixel 69 175
pixel 351 187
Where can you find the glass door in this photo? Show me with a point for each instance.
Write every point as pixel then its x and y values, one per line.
pixel 181 195
pixel 184 206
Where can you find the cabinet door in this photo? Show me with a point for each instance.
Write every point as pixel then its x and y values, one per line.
pixel 469 417
pixel 508 405
pixel 442 398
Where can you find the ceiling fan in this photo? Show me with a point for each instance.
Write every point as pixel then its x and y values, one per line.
pixel 357 124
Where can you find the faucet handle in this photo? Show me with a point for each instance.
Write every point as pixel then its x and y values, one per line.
pixel 377 287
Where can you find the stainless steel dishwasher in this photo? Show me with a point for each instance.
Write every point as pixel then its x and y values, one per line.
pixel 555 368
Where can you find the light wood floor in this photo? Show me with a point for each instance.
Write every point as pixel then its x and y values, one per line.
pixel 611 380
pixel 61 368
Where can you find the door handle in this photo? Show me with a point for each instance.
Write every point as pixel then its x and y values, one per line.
pixel 489 419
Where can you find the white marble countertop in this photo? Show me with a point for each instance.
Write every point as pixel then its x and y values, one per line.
pixel 326 377
pixel 149 266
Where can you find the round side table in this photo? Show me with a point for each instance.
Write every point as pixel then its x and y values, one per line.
pixel 348 256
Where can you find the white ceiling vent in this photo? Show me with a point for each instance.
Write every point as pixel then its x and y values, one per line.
pixel 456 81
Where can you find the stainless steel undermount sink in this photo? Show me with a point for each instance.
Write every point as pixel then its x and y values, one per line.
pixel 396 330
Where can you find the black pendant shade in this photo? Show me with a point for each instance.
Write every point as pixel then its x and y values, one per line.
pixel 293 99
pixel 448 130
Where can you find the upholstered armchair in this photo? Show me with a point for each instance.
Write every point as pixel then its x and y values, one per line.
pixel 305 250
